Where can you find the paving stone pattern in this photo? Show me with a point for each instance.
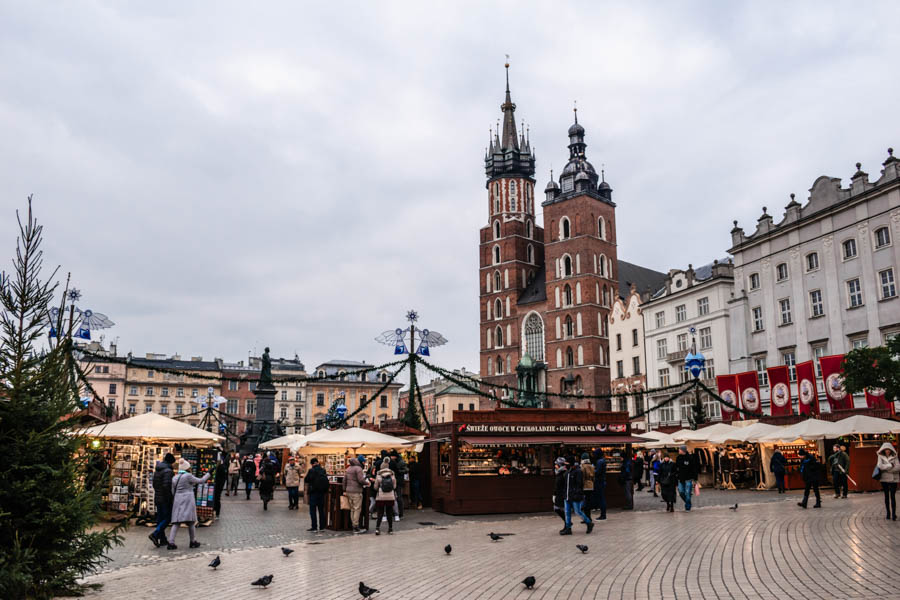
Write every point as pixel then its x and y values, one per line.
pixel 767 549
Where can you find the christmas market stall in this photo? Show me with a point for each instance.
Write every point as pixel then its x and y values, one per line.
pixel 809 435
pixel 501 461
pixel 131 448
pixel 864 435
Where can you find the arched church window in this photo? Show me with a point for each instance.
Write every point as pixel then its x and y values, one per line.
pixel 499 364
pixel 499 337
pixel 496 230
pixel 498 309
pixel 496 255
pixel 567 295
pixel 564 228
pixel 567 266
pixel 496 281
pixel 530 253
pixel 529 230
pixel 534 337
pixel 570 329
pixel 570 357
pixel 602 266
pixel 600 229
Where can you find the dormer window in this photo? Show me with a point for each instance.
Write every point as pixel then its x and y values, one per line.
pixel 320 374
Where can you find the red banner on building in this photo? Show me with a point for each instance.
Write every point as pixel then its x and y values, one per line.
pixel 748 388
pixel 833 375
pixel 727 385
pixel 807 394
pixel 780 391
pixel 875 398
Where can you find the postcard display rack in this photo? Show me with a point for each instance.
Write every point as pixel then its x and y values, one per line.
pixel 131 476
pixel 203 461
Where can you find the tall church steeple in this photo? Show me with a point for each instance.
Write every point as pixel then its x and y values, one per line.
pixel 510 140
pixel 508 155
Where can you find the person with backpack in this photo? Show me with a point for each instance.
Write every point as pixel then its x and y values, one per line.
pixel 811 469
pixel 587 469
pixel 248 474
pixel 316 481
pixel 386 486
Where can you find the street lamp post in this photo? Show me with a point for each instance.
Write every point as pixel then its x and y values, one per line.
pixel 695 361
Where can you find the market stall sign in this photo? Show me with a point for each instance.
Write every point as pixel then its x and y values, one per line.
pixel 500 428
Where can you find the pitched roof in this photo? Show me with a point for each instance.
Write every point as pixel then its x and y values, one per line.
pixel 644 279
pixel 455 390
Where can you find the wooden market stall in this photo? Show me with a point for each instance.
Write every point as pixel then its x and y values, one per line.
pixel 501 461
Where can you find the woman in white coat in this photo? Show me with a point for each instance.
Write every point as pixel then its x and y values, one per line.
pixel 184 507
pixel 889 466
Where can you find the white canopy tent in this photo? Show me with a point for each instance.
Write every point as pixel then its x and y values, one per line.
pixel 808 430
pixel 865 425
pixel 657 439
pixel 282 442
pixel 740 435
pixel 355 439
pixel 703 435
pixel 151 426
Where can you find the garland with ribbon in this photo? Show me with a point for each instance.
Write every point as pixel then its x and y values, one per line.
pixel 377 393
pixel 730 405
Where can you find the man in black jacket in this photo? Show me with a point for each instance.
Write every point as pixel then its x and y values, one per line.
pixel 687 469
pixel 638 470
pixel 162 497
pixel 316 481
pixel 626 479
pixel 811 470
pixel 574 495
pixel 559 491
pixel 248 474
pixel 600 483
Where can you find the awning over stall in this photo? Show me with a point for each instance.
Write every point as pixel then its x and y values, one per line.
pixel 865 425
pixel 810 429
pixel 151 426
pixel 527 440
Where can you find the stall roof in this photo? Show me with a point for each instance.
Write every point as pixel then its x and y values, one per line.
pixel 351 438
pixel 810 429
pixel 282 442
pixel 865 425
pixel 151 426
pixel 744 434
pixel 589 440
pixel 702 435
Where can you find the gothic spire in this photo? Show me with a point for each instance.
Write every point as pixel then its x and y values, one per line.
pixel 510 139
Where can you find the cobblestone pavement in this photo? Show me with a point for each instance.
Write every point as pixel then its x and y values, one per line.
pixel 764 550
pixel 245 525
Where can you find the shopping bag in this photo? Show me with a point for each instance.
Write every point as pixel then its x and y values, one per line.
pixel 345 502
pixel 696 488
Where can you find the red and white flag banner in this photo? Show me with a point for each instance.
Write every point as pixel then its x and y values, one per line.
pixel 780 390
pixel 807 394
pixel 748 388
pixel 727 386
pixel 833 375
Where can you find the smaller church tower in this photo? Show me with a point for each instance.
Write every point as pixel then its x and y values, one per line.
pixel 511 245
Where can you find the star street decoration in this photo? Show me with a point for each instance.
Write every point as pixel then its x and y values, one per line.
pixel 397 337
pixel 83 321
pixel 210 400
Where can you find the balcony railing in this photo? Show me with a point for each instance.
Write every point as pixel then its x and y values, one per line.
pixel 678 356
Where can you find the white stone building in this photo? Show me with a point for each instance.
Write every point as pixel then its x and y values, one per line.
pixel 697 299
pixel 820 282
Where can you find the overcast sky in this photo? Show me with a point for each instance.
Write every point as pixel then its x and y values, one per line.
pixel 219 176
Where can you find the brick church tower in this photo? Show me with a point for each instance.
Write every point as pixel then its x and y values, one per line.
pixel 545 294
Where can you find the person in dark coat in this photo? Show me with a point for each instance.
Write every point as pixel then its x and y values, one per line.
pixel 316 481
pixel 638 470
pixel 415 484
pixel 626 478
pixel 667 480
pixel 777 465
pixel 162 497
pixel 840 466
pixel 574 494
pixel 600 483
pixel 811 470
pixel 248 474
pixel 221 480
pixel 267 470
pixel 687 469
pixel 559 491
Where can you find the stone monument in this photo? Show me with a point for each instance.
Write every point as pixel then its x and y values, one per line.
pixel 264 426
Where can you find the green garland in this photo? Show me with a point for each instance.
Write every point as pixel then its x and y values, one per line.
pixel 377 393
pixel 337 376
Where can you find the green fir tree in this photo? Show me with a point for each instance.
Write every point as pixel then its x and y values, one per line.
pixel 411 416
pixel 48 537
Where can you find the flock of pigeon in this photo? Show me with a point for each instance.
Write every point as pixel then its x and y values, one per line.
pixel 366 591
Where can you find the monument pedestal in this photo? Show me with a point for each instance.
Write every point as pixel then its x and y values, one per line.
pixel 264 426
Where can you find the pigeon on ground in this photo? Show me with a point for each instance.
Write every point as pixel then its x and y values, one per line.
pixel 215 563
pixel 365 591
pixel 582 547
pixel 495 536
pixel 263 581
pixel 529 582
pixel 733 507
pixel 286 551
pixel 448 549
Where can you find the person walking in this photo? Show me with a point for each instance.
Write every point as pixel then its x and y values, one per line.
pixel 257 460
pixel 267 470
pixel 811 469
pixel 654 473
pixel 839 462
pixel 687 469
pixel 354 483
pixel 386 494
pixel 778 466
pixel 889 469
pixel 559 490
pixel 401 470
pixel 638 469
pixel 316 481
pixel 220 480
pixel 184 505
pixel 667 479
pixel 574 494
pixel 234 475
pixel 292 483
pixel 626 478
pixel 248 474
pixel 162 497
pixel 600 483
pixel 587 469
pixel 415 484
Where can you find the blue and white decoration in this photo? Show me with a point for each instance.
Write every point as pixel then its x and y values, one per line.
pixel 398 337
pixel 83 321
pixel 210 399
pixel 694 361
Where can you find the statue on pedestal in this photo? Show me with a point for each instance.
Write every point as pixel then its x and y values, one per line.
pixel 265 374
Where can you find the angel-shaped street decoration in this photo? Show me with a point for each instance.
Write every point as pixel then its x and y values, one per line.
pixel 83 321
pixel 397 338
pixel 210 400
